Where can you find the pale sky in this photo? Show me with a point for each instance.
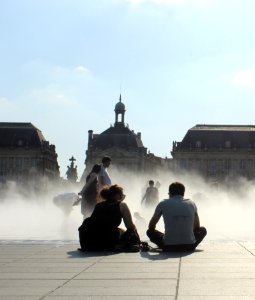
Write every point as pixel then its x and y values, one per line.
pixel 177 63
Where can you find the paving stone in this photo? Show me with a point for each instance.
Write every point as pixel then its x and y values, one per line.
pixel 38 275
pixel 119 297
pixel 131 275
pixel 204 297
pixel 42 269
pixel 19 297
pixel 218 270
pixel 121 291
pixel 149 283
pixel 30 283
pixel 25 291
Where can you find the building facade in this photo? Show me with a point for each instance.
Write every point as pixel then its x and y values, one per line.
pixel 124 146
pixel 217 152
pixel 25 155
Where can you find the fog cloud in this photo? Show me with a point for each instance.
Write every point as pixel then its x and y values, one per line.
pixel 227 212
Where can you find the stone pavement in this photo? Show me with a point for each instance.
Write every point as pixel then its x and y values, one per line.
pixel 217 270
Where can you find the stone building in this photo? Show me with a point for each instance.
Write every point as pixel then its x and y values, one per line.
pixel 25 155
pixel 123 145
pixel 217 152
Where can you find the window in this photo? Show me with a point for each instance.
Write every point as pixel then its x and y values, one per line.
pixel 11 160
pixel 20 143
pixel 212 165
pixel 227 144
pixel 18 163
pixel 198 164
pixel 227 164
pixel 27 162
pixel 3 163
pixel 242 164
pixel 198 144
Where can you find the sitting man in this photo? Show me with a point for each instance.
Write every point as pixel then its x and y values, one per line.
pixel 182 226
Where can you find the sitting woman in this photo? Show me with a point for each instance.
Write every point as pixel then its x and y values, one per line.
pixel 100 232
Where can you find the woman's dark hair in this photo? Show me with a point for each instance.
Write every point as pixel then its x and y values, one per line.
pixel 109 192
pixel 176 188
pixel 95 169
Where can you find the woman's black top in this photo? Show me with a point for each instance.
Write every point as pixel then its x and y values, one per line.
pixel 100 231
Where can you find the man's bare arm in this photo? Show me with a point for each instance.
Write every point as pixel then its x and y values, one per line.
pixel 196 222
pixel 153 222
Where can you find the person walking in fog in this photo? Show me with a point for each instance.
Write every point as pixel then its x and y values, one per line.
pixel 150 198
pixel 89 192
pixel 101 232
pixel 181 220
pixel 103 177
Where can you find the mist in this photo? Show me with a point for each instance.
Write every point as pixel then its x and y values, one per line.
pixel 226 211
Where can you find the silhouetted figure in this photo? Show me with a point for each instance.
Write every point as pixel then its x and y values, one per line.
pixel 140 222
pixel 103 177
pixel 89 192
pixel 150 198
pixel 65 202
pixel 101 232
pixel 182 226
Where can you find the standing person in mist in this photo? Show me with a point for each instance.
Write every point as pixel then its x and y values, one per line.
pixel 182 225
pixel 103 177
pixel 150 198
pixel 89 192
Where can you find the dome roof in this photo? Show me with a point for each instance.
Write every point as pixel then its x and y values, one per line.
pixel 120 106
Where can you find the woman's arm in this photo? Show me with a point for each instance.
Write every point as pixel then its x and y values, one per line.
pixel 127 218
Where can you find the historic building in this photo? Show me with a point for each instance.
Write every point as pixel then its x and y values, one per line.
pixel 217 152
pixel 123 145
pixel 25 155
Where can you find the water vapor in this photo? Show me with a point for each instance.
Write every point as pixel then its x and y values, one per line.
pixel 226 211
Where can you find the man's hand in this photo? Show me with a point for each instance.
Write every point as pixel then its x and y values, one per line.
pixel 77 201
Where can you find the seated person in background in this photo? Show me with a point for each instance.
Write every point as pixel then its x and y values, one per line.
pixel 182 226
pixel 140 222
pixel 150 198
pixel 101 232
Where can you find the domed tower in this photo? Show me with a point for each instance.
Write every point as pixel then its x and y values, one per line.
pixel 119 113
pixel 124 146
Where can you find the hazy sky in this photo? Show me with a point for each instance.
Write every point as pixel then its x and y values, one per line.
pixel 177 63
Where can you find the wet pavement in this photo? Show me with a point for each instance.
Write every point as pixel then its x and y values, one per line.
pixel 54 269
